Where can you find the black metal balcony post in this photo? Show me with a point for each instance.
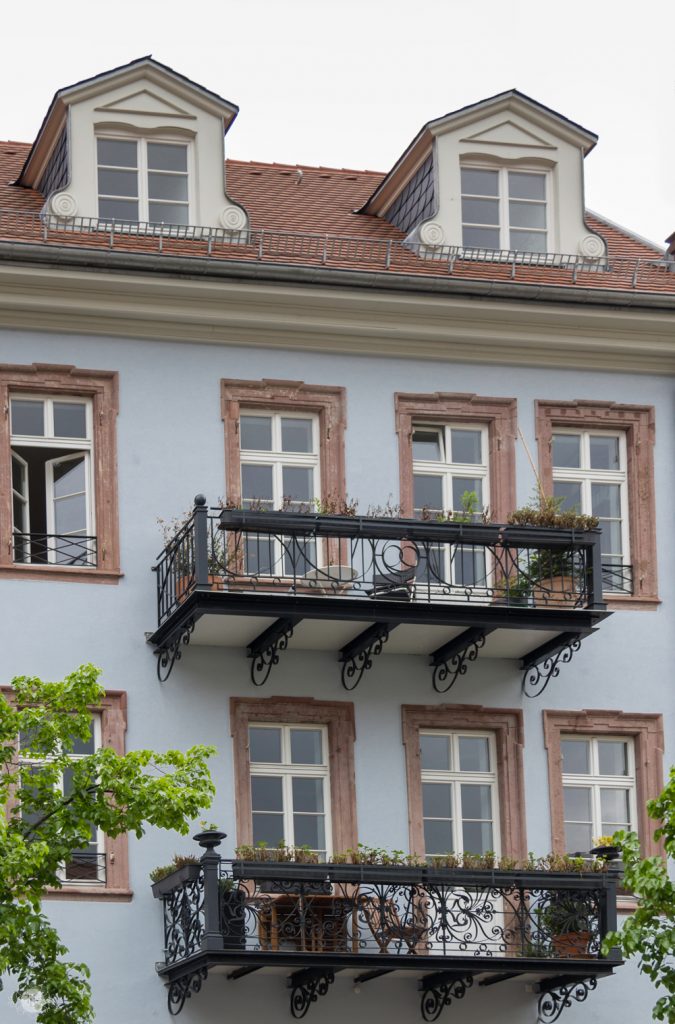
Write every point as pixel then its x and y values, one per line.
pixel 608 916
pixel 201 542
pixel 594 569
pixel 212 936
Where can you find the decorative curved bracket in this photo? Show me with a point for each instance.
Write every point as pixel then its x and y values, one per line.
pixel 544 663
pixel 264 650
pixel 451 660
pixel 306 987
pixel 184 988
pixel 438 991
pixel 357 656
pixel 558 996
pixel 168 656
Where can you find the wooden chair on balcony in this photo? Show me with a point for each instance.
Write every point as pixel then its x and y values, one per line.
pixel 383 919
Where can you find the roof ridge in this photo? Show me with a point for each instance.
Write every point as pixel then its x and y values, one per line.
pixel 303 167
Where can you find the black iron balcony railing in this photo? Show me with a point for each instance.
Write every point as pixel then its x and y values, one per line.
pixel 454 926
pixel 66 549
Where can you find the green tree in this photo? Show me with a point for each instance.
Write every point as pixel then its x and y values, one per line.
pixel 45 822
pixel 649 933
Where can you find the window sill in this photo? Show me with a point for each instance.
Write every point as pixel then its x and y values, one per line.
pixel 632 603
pixel 99 893
pixel 63 574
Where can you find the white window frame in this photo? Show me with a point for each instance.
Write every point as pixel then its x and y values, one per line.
pixel 24 500
pixel 32 761
pixel 455 778
pixel 84 445
pixel 503 200
pixel 286 770
pixel 142 172
pixel 596 782
pixel 586 476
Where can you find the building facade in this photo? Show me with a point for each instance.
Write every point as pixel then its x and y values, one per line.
pixel 320 394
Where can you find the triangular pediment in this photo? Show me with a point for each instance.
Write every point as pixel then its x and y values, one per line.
pixel 145 102
pixel 509 133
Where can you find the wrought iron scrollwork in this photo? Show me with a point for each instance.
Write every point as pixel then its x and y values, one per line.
pixel 456 665
pixel 537 676
pixel 559 997
pixel 306 987
pixel 168 656
pixel 184 988
pixel 264 651
pixel 357 657
pixel 438 991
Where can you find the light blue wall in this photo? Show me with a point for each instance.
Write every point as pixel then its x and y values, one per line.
pixel 170 445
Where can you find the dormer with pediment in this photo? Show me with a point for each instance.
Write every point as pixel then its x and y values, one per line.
pixel 139 144
pixel 505 174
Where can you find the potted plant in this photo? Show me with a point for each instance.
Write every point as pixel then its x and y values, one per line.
pixel 183 868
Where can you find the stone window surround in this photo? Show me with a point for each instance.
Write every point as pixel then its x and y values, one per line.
pixel 498 414
pixel 338 717
pixel 113 712
pixel 637 423
pixel 507 726
pixel 101 387
pixel 646 731
pixel 328 403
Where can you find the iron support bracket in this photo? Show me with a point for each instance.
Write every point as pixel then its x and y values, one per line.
pixel 168 656
pixel 451 660
pixel 264 650
pixel 543 664
pixel 184 988
pixel 357 656
pixel 557 995
pixel 306 987
pixel 439 989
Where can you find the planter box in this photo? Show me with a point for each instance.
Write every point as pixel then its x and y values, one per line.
pixel 181 876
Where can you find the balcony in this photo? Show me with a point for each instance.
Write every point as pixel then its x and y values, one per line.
pixel 450 930
pixel 450 591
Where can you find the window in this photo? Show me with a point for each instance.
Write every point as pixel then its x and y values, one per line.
pixel 52 493
pixel 88 865
pixel 459 792
pixel 290 792
pixel 603 768
pixel 140 180
pixel 599 456
pixel 589 474
pixel 504 209
pixel 465 779
pixel 294 772
pixel 58 473
pixel 598 776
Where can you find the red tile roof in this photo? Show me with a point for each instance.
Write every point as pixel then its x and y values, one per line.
pixel 287 204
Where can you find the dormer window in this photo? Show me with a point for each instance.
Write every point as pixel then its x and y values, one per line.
pixel 143 181
pixel 504 209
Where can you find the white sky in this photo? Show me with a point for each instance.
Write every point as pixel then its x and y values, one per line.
pixel 348 83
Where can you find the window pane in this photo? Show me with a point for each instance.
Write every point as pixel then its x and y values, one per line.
pixel 70 419
pixel 167 213
pixel 566 451
pixel 306 746
pixel 118 209
pixel 476 801
pixel 610 542
pixel 578 838
pixel 438 837
pixel 577 803
pixel 167 186
pixel 28 417
pixel 528 241
pixel 308 795
pixel 256 482
pixel 436 800
pixel 427 445
pixel 69 478
pixel 480 211
pixel 428 491
pixel 87 746
pixel 117 183
pixel 70 515
pixel 479 183
pixel 466 446
pixel 527 215
pixel 480 238
pixel 309 831
pixel 266 793
pixel 576 756
pixel 264 745
pixel 477 836
pixel 19 473
pixel 298 483
pixel 256 433
pixel 606 500
pixel 614 809
pixel 604 452
pixel 165 157
pixel 268 828
pixel 570 492
pixel 296 435
pixel 474 754
pixel 462 485
pixel 435 752
pixel 612 757
pixel 526 186
pixel 116 153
